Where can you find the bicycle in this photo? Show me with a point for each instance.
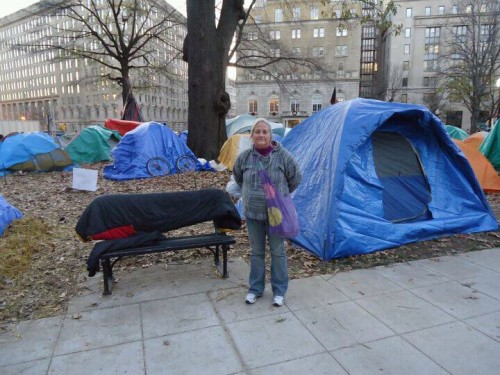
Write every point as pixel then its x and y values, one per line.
pixel 158 166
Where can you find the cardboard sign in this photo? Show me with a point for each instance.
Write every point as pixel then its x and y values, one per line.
pixel 84 179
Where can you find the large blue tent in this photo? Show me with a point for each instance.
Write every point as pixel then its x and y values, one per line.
pixel 379 175
pixel 150 150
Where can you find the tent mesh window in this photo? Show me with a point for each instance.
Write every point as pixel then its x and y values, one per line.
pixel 405 189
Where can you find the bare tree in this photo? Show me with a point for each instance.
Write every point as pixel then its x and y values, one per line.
pixel 470 64
pixel 118 37
pixel 394 83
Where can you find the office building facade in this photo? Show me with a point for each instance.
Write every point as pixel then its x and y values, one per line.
pixel 63 94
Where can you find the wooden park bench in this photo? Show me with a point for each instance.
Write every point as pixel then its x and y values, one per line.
pixel 132 225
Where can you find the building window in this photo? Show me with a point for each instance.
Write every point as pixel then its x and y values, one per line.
pixel 274 105
pixel 341 31
pixel 427 11
pixel 407 49
pixel 252 106
pixel 319 32
pixel 408 12
pixel 341 50
pixel 296 51
pixel 252 35
pixel 316 103
pixel 454 9
pixel 406 66
pixel 314 13
pixel 257 18
pixel 296 14
pixel 318 51
pixel 275 52
pixel 431 56
pixel 468 9
pixel 296 34
pixel 275 34
pixel 429 81
pixel 367 56
pixel 294 105
pixel 407 32
pixel 278 15
pixel 404 98
pixel 441 10
pixel 405 82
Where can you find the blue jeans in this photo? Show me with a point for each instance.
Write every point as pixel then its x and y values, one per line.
pixel 258 230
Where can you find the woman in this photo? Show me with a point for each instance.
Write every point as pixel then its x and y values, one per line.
pixel 286 175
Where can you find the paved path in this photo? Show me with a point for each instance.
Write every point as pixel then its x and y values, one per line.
pixel 434 316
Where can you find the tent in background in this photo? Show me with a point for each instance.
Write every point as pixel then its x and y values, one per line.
pixel 475 140
pixel 121 126
pixel 36 151
pixel 243 124
pixel 491 146
pixel 378 175
pixel 92 144
pixel 232 148
pixel 150 150
pixel 456 133
pixel 485 173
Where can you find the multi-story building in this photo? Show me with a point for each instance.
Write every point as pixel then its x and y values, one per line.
pixel 311 30
pixel 35 85
pixel 361 61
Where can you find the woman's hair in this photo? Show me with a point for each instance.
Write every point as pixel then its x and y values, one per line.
pixel 261 120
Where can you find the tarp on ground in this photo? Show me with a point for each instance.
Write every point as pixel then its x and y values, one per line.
pixel 36 151
pixel 121 126
pixel 491 146
pixel 456 133
pixel 243 124
pixel 92 144
pixel 485 173
pixel 378 175
pixel 150 150
pixel 8 214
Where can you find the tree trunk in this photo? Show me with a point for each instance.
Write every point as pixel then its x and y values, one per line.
pixel 206 50
pixel 126 87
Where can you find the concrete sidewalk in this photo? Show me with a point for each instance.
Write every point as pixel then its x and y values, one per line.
pixel 434 316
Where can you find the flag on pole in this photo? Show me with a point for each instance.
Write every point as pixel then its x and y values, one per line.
pixel 333 100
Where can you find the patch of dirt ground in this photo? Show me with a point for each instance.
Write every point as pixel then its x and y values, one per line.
pixel 43 263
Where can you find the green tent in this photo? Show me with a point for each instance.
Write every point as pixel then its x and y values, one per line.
pixel 456 133
pixel 93 144
pixel 491 146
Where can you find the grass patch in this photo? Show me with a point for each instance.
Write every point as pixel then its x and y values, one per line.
pixel 21 240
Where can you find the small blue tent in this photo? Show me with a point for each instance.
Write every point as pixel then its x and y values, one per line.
pixel 34 151
pixel 8 214
pixel 150 150
pixel 379 175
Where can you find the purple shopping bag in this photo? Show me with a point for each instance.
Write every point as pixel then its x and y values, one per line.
pixel 281 212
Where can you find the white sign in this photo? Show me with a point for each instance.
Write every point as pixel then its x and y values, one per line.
pixel 84 179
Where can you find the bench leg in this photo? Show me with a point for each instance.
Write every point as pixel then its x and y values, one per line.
pixel 107 275
pixel 225 248
pixel 216 253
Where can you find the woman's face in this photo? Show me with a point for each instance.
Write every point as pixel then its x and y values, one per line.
pixel 261 136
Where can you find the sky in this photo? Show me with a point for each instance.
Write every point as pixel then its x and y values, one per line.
pixel 9 7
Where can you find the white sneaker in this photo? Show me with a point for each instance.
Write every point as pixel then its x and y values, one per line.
pixel 278 301
pixel 250 298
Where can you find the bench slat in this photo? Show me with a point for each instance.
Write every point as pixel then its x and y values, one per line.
pixel 175 243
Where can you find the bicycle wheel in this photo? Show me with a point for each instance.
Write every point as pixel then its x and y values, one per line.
pixel 185 163
pixel 158 167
